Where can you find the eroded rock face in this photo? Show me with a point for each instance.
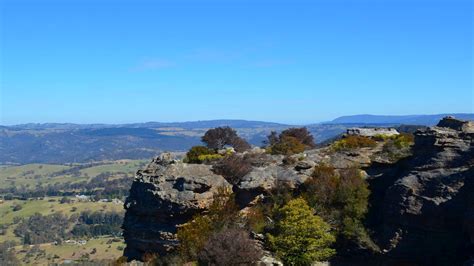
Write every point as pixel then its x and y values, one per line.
pixel 425 216
pixel 167 193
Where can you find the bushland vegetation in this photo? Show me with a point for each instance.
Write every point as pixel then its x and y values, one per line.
pixel 233 167
pixel 39 228
pixel 341 198
pixel 300 237
pixel 290 141
pixel 220 137
pixel 209 236
pixel 353 142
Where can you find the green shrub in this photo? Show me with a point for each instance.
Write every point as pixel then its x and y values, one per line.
pixel 17 207
pixel 218 138
pixel 193 236
pixel 301 134
pixel 301 237
pixel 383 137
pixel 287 146
pixel 230 247
pixel 256 219
pixel 398 146
pixel 222 214
pixel 353 142
pixel 209 157
pixel 404 140
pixel 341 198
pixel 290 141
pixel 192 156
pixel 401 140
pixel 233 168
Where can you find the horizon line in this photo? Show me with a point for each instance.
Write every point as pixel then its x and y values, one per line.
pixel 231 119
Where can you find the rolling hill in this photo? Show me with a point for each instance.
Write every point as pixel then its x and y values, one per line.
pixel 79 143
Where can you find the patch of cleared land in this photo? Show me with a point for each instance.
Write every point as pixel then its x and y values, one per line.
pixel 97 249
pixel 32 174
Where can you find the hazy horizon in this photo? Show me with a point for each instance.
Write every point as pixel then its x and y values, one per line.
pixel 232 119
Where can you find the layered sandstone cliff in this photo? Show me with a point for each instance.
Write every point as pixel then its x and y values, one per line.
pixel 423 207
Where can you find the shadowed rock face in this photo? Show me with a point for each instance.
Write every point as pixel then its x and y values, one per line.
pixel 423 207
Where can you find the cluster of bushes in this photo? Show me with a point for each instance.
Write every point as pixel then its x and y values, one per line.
pixel 218 237
pixel 42 229
pixel 398 146
pixel 290 141
pixel 216 139
pixel 201 154
pixel 341 198
pixel 221 236
pixel 334 203
pixel 400 141
pixel 7 256
pixel 93 224
pixel 353 142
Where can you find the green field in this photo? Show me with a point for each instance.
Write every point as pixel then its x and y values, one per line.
pixel 25 175
pixel 46 206
pixel 50 205
pixel 31 175
pixel 96 249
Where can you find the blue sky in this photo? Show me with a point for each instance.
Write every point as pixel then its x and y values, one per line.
pixel 118 61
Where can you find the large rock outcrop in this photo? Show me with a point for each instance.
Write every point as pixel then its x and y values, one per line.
pixel 423 207
pixel 166 194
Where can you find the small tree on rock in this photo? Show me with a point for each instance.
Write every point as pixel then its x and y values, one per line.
pixel 218 138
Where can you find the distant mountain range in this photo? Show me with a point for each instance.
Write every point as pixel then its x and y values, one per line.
pixel 70 143
pixel 427 120
pixel 184 125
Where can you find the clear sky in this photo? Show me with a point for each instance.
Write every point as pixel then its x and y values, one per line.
pixel 107 61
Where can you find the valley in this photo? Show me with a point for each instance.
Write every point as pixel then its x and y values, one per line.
pixel 69 193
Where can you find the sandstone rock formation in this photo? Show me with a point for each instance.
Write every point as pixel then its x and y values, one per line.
pixel 422 207
pixel 167 193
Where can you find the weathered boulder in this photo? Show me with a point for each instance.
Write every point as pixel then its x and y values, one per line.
pixel 265 177
pixel 456 124
pixel 167 193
